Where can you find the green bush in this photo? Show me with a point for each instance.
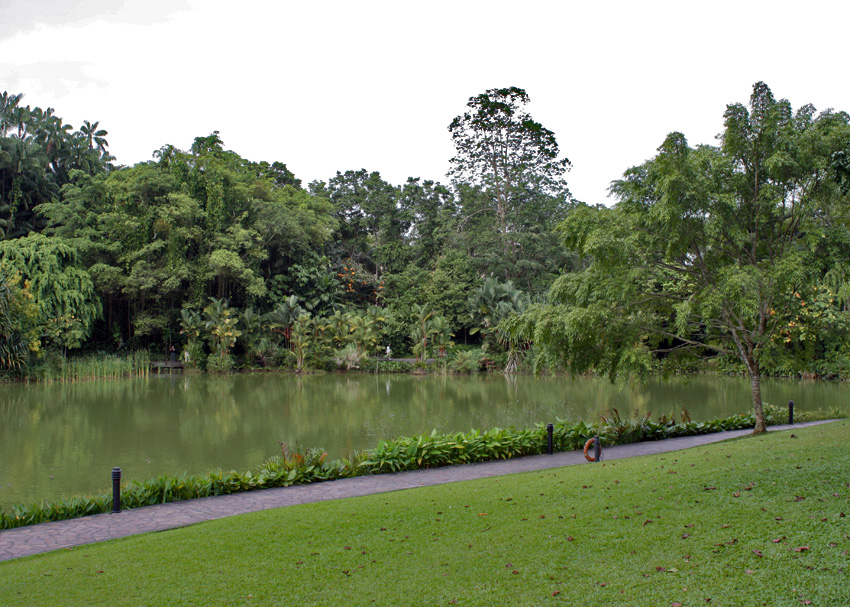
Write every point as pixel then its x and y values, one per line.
pixel 465 361
pixel 432 450
pixel 385 366
pixel 220 363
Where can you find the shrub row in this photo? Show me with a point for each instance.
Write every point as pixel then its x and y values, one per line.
pixel 406 453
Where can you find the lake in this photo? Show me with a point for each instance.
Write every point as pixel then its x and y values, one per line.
pixel 63 439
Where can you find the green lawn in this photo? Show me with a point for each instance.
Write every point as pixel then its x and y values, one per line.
pixel 757 521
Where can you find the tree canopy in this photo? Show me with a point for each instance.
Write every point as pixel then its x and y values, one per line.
pixel 507 164
pixel 734 253
pixel 709 250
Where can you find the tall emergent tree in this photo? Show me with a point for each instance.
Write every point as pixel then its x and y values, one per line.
pixel 708 251
pixel 511 160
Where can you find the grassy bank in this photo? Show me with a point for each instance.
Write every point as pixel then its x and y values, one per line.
pixel 757 521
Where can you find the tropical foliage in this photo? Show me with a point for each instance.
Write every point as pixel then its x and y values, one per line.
pixel 711 252
pixel 734 253
pixel 294 467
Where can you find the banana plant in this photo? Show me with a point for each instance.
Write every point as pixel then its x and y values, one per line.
pixel 251 325
pixel 302 337
pixel 221 324
pixel 441 333
pixel 280 319
pixel 421 331
pixel 191 325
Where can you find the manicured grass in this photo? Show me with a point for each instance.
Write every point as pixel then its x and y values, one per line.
pixel 757 521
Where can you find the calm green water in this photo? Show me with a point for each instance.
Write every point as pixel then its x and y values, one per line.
pixel 63 439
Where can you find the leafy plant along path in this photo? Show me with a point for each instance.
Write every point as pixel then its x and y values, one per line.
pixel 45 537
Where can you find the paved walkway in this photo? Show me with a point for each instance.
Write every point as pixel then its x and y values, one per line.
pixel 35 539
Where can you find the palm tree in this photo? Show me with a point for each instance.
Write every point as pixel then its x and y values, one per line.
pixel 94 137
pixel 8 104
pixel 24 184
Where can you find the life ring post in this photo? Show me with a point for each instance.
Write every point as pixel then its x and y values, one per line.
pixel 597 449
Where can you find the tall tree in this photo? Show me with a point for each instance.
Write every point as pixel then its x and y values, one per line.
pixel 706 251
pixel 511 158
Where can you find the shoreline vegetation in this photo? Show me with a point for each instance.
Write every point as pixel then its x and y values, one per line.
pixel 466 361
pixel 295 467
pixel 730 256
pixel 750 522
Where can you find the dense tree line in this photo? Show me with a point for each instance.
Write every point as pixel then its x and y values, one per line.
pixel 736 253
pixel 193 229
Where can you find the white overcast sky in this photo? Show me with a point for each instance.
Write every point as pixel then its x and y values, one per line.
pixel 328 86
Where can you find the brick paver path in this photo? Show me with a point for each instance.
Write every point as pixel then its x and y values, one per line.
pixel 35 539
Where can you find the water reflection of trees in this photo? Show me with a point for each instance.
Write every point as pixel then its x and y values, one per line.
pixel 165 425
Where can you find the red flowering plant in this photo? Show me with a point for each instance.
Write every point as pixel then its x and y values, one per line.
pixel 359 286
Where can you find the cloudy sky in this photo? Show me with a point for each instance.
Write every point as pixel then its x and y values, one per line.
pixel 336 85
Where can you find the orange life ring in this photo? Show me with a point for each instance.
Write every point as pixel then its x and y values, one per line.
pixel 587 446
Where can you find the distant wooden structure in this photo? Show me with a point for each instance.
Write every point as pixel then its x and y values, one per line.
pixel 170 365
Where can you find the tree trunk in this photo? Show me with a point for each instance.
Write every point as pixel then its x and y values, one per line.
pixel 755 382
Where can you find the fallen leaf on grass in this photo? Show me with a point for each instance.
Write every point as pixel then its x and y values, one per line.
pixel 686 536
pixel 801 549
